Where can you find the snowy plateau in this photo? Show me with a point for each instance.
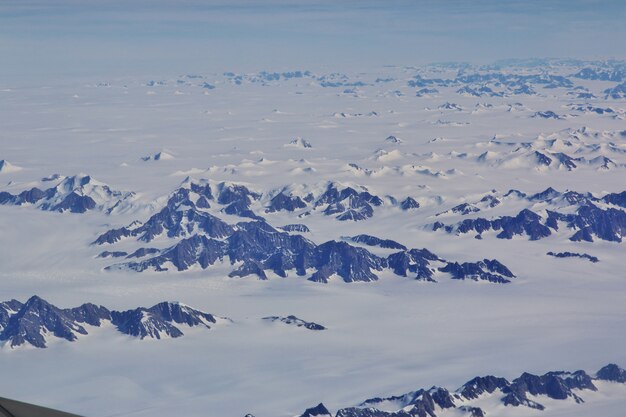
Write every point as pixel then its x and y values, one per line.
pixel 258 243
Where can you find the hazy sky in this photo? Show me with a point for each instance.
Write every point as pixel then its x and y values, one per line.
pixel 158 36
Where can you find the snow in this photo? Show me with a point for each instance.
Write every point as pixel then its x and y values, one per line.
pixel 7 167
pixel 159 156
pixel 383 338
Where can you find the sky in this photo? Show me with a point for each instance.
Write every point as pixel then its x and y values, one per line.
pixel 70 37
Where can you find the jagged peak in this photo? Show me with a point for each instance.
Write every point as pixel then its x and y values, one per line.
pixel 37 320
pixel 523 391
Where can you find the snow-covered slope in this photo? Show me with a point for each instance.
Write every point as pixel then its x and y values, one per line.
pixel 7 167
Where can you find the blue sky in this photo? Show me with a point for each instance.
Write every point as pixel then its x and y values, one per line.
pixel 133 36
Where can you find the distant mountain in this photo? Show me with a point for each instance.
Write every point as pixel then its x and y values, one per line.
pixel 300 143
pixel 299 228
pixel 548 114
pixel 157 322
pixel 36 322
pixel 618 92
pixel 479 91
pixel 159 156
pixel 589 217
pixel 37 319
pixel 7 309
pixel 393 139
pixel 318 411
pixel 565 150
pixel 194 208
pixel 7 167
pixel 409 203
pixel 450 106
pixel 586 256
pixel 184 213
pixel 259 247
pixel 179 218
pixel 588 108
pixel 375 241
pixel 201 239
pixel 284 202
pixel 295 321
pixel 483 396
pixel 333 199
pixel 602 74
pixel 506 83
pixel 347 203
pixel 75 194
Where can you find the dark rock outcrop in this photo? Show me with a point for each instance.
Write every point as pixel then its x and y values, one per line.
pixel 617 199
pixel 348 262
pixel 300 228
pixel 414 261
pixel 141 252
pixel 295 321
pixel 548 114
pixel 281 202
pixel 112 254
pixel 35 319
pixel 319 410
pixel 618 92
pixel 613 373
pixel 590 220
pixel 7 309
pixel 464 209
pixel 157 321
pixel 409 203
pixel 555 385
pixel 590 258
pixel 525 223
pixel 179 218
pixel 348 203
pixel 485 270
pixel 376 241
pixel 480 385
pixel 197 249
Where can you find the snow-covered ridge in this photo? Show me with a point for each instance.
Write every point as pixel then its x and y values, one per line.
pixel 585 216
pixel 485 395
pixel 36 321
pixel 75 194
pixel 204 238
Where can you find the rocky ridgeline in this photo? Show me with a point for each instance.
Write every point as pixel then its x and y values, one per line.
pixel 525 391
pixel 75 194
pixel 258 247
pixel 36 321
pixel 566 150
pixel 594 218
pixel 592 259
pixel 295 321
